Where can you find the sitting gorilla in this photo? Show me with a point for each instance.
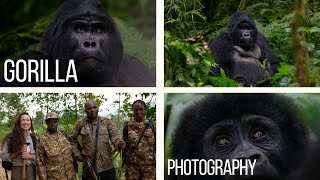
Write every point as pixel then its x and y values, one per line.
pixel 264 127
pixel 82 31
pixel 241 51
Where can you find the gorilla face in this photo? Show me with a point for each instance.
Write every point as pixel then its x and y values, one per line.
pixel 85 33
pixel 96 49
pixel 264 127
pixel 244 34
pixel 246 137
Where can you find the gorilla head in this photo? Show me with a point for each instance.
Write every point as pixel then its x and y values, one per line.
pixel 243 30
pixel 265 127
pixel 84 32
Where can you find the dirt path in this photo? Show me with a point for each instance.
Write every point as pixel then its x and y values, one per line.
pixel 2 172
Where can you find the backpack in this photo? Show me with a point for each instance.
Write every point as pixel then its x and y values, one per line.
pixel 7 165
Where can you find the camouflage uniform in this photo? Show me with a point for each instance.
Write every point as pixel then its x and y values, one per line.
pixel 107 132
pixel 141 164
pixel 54 157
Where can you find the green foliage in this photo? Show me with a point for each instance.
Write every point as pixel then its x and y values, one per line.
pixel 222 81
pixel 136 45
pixel 283 78
pixel 125 105
pixel 22 39
pixel 184 15
pixel 186 64
pixel 4 130
pixel 309 108
pixel 273 19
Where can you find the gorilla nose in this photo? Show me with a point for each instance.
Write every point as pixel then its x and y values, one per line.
pixel 89 45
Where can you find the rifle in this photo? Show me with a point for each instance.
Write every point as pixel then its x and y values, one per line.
pixel 89 166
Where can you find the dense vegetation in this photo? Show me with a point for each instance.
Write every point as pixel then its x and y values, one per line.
pixel 291 27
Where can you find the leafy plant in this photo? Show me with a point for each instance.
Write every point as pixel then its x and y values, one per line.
pixel 186 64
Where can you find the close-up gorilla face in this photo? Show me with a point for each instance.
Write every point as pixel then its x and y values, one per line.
pixel 262 127
pixel 91 38
pixel 245 137
pixel 83 32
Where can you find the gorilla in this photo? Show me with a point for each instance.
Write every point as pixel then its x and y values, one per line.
pixel 264 127
pixel 81 30
pixel 309 168
pixel 241 51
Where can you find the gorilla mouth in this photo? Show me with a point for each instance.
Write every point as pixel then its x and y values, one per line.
pixel 90 59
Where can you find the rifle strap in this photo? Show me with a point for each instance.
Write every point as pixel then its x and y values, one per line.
pixel 96 145
pixel 144 130
pixel 6 174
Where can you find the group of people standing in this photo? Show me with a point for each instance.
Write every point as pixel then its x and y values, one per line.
pixel 55 154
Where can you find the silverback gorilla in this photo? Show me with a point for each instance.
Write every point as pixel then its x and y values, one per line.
pixel 83 31
pixel 262 127
pixel 241 51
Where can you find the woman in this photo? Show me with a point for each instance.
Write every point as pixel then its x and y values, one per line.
pixel 18 146
pixel 140 137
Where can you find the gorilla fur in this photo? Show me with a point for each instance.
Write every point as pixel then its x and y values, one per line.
pixel 241 51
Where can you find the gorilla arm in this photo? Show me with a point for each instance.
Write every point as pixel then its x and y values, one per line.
pixel 267 54
pixel 222 48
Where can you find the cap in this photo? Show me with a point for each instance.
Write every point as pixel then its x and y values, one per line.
pixel 52 115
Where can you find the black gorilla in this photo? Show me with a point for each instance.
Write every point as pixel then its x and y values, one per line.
pixel 241 51
pixel 265 127
pixel 309 168
pixel 81 30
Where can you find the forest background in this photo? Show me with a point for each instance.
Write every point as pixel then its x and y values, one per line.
pixel 190 26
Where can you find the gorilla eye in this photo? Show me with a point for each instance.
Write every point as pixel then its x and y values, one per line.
pixel 79 28
pixel 244 27
pixel 257 134
pixel 221 141
pixel 98 28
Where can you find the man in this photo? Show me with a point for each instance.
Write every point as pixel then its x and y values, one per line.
pixel 96 133
pixel 54 153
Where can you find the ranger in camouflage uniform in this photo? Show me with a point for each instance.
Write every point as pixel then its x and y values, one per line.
pixel 141 163
pixel 54 153
pixel 99 157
